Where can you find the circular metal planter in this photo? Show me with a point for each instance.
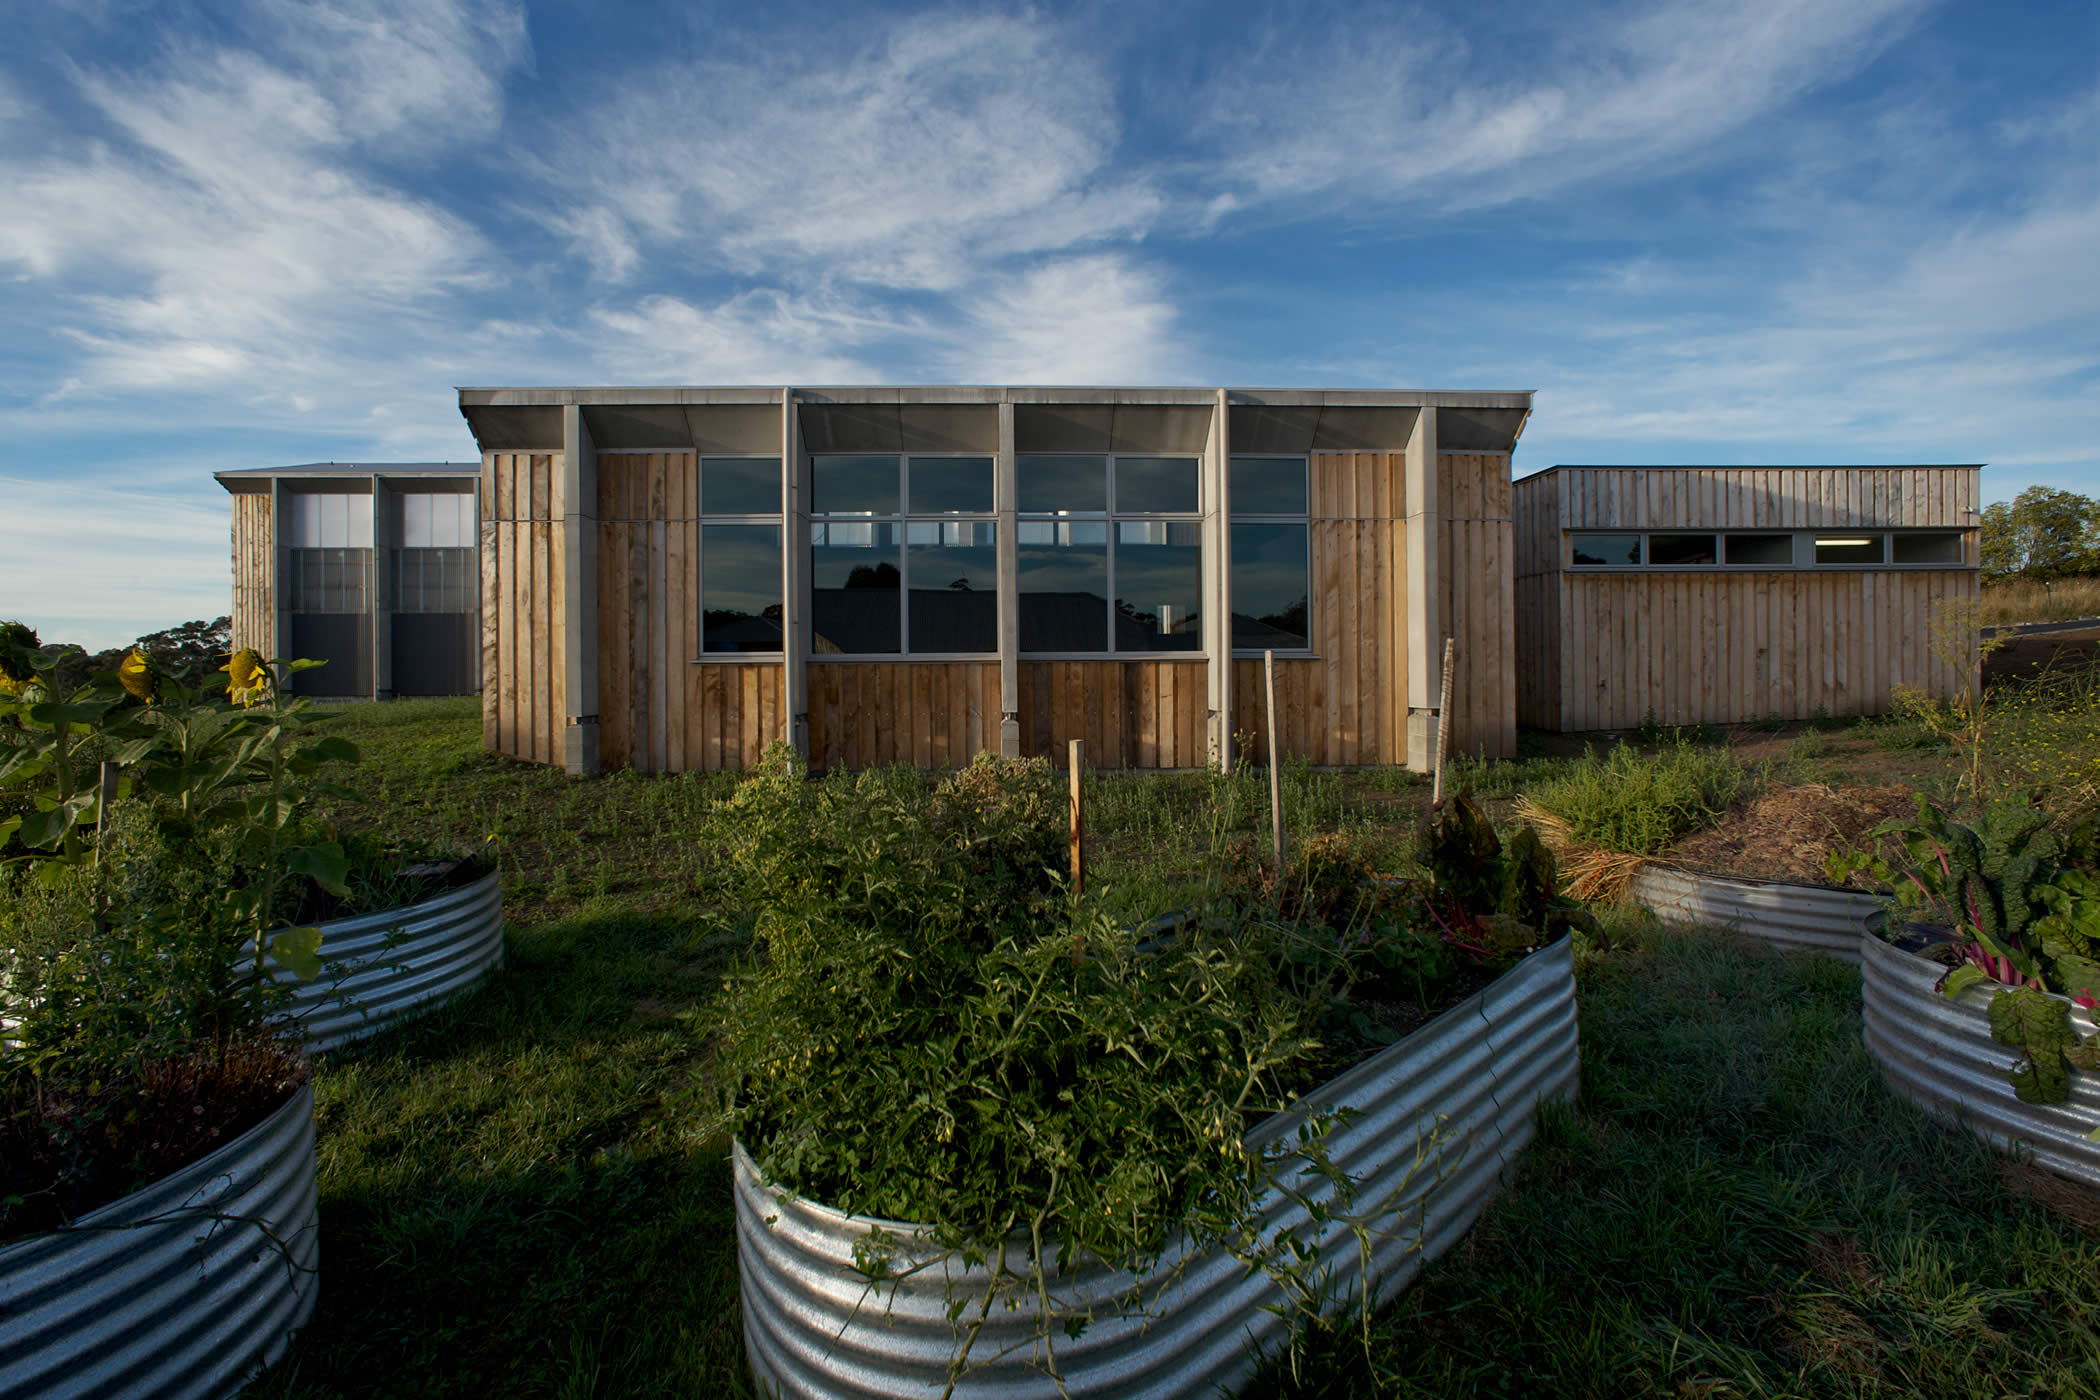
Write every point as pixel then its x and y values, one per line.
pixel 183 1289
pixel 379 969
pixel 1802 918
pixel 1939 1054
pixel 1474 1076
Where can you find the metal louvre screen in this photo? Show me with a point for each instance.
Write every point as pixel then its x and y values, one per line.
pixel 344 641
pixel 435 653
pixel 327 580
pixel 434 580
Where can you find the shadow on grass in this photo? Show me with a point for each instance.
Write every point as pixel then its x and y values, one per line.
pixel 528 1192
pixel 1737 1207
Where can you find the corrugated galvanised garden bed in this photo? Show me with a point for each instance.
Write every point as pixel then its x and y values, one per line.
pixel 1803 918
pixel 1442 1117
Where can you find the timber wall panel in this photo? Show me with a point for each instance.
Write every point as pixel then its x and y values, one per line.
pixel 1130 714
pixel 1732 648
pixel 523 602
pixel 932 714
pixel 254 570
pixel 1476 572
pixel 1744 498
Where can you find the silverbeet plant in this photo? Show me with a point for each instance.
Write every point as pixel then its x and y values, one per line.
pixel 930 1030
pixel 2024 901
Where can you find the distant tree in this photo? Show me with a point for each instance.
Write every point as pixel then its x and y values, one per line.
pixel 2044 534
pixel 191 646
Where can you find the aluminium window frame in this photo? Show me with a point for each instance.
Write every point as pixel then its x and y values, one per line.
pixel 1308 652
pixel 903 518
pixel 697 642
pixel 1112 517
pixel 1804 550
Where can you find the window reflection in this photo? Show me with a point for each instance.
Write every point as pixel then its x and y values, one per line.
pixel 1271 572
pixel 855 587
pixel 740 588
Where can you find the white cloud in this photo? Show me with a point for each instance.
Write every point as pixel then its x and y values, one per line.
pixel 766 337
pixel 903 164
pixel 1418 110
pixel 1095 319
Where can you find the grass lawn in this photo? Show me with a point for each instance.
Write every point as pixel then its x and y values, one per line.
pixel 528 1193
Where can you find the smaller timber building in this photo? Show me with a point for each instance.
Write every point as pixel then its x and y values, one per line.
pixel 369 567
pixel 676 577
pixel 1724 595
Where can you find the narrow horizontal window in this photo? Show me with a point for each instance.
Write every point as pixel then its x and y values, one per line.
pixel 949 486
pixel 1680 551
pixel 1054 484
pixel 1271 572
pixel 1606 551
pixel 740 588
pixel 852 485
pixel 740 485
pixel 1770 550
pixel 1927 547
pixel 856 584
pixel 1849 549
pixel 1268 486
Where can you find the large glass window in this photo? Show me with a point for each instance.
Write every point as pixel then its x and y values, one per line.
pixel 1271 554
pixel 896 564
pixel 1110 553
pixel 740 555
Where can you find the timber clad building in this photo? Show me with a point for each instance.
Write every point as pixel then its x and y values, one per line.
pixel 1723 595
pixel 367 566
pixel 674 578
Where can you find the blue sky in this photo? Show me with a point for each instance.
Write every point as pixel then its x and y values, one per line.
pixel 258 233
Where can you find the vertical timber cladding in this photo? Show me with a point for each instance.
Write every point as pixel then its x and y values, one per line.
pixel 1130 714
pixel 523 602
pixel 1536 505
pixel 935 714
pixel 1476 575
pixel 1347 705
pixel 658 712
pixel 254 571
pixel 1731 647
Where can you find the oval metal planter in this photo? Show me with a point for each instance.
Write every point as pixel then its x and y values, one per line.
pixel 1939 1054
pixel 379 969
pixel 183 1289
pixel 1803 918
pixel 1476 1074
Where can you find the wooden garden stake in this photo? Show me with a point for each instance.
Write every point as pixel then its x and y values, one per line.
pixel 1077 753
pixel 1443 722
pixel 107 795
pixel 1268 673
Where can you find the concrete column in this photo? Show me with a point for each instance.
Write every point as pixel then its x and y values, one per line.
pixel 379 599
pixel 794 578
pixel 1425 601
pixel 1003 501
pixel 576 504
pixel 1217 583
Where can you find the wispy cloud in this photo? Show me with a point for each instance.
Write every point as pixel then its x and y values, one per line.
pixel 1096 319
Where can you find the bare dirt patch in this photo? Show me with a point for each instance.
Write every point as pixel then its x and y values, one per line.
pixel 2060 1195
pixel 2029 656
pixel 1789 833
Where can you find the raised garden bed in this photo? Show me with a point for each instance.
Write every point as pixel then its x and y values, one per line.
pixel 182 1289
pixel 1939 1054
pixel 1803 918
pixel 379 969
pixel 1470 1080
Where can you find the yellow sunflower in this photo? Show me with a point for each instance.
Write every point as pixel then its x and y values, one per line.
pixel 137 674
pixel 247 679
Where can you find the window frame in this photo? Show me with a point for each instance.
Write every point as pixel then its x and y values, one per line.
pixel 903 519
pixel 1235 516
pixel 1110 517
pixel 702 518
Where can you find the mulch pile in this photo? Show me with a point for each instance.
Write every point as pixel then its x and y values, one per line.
pixel 1789 833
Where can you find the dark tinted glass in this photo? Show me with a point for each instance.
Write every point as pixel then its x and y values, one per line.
pixel 861 485
pixel 740 588
pixel 952 485
pixel 1848 549
pixel 1155 485
pixel 1159 585
pixel 1758 549
pixel 1927 548
pixel 1268 485
pixel 1607 549
pixel 1680 549
pixel 854 588
pixel 1049 484
pixel 954 569
pixel 1271 582
pixel 740 486
pixel 1063 585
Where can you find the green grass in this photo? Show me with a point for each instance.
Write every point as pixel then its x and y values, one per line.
pixel 528 1194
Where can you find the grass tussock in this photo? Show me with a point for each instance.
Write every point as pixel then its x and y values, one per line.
pixel 1634 803
pixel 2020 600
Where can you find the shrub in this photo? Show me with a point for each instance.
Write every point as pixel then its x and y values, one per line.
pixel 1638 804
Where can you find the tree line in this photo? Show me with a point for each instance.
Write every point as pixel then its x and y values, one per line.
pixel 2041 535
pixel 180 648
